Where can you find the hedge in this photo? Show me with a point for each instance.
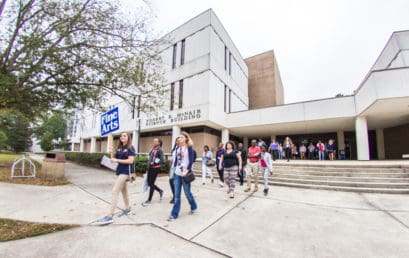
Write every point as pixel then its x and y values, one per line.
pixel 94 160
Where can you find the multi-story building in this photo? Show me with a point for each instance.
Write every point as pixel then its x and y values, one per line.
pixel 216 95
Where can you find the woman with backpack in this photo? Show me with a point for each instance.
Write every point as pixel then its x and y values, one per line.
pixel 183 158
pixel 154 161
pixel 124 156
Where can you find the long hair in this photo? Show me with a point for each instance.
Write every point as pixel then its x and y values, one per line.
pixel 189 141
pixel 175 145
pixel 128 144
pixel 233 146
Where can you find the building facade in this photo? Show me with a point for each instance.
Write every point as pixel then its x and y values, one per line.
pixel 216 95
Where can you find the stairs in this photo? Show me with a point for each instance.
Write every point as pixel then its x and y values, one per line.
pixel 339 177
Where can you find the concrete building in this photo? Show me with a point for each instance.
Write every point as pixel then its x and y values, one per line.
pixel 216 95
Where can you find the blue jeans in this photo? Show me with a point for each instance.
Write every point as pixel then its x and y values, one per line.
pixel 321 155
pixel 178 188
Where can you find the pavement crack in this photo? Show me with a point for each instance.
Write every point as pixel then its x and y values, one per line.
pixel 384 211
pixel 221 217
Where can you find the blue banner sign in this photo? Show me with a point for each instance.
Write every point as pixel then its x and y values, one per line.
pixel 110 121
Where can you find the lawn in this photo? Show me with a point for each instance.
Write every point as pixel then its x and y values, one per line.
pixel 6 161
pixel 16 229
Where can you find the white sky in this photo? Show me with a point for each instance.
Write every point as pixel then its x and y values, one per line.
pixel 323 47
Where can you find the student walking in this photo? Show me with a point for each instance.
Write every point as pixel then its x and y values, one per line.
pixel 124 155
pixel 232 165
pixel 243 154
pixel 303 150
pixel 172 172
pixel 154 161
pixel 183 158
pixel 321 149
pixel 280 151
pixel 331 149
pixel 287 145
pixel 266 167
pixel 273 149
pixel 219 153
pixel 253 166
pixel 311 151
pixel 206 156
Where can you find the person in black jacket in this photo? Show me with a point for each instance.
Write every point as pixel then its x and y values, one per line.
pixel 154 161
pixel 243 154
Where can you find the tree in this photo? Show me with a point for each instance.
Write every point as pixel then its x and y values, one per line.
pixel 51 129
pixel 17 129
pixel 75 54
pixel 3 140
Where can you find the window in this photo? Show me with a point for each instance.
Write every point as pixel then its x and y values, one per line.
pixel 227 98
pixel 229 63
pixel 229 107
pixel 172 95
pixel 225 58
pixel 174 56
pixel 180 93
pixel 182 52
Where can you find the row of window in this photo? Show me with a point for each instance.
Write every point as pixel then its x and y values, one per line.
pixel 182 53
pixel 172 95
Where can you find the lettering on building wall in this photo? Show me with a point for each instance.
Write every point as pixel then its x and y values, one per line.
pixel 173 118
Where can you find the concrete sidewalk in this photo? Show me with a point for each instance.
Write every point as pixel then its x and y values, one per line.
pixel 289 222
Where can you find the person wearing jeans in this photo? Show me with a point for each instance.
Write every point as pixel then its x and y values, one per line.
pixel 172 173
pixel 154 161
pixel 219 153
pixel 321 149
pixel 207 155
pixel 243 154
pixel 183 158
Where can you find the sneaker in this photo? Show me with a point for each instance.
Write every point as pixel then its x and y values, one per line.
pixel 247 190
pixel 265 191
pixel 124 212
pixel 146 203
pixel 105 221
pixel 161 195
pixel 255 190
pixel 172 201
pixel 193 211
pixel 171 218
pixel 221 184
pixel 212 180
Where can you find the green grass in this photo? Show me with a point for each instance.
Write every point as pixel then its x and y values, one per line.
pixel 16 229
pixel 6 161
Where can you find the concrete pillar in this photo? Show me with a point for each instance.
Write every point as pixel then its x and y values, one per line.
pixel 246 142
pixel 225 135
pixel 81 145
pixel 135 140
pixel 272 138
pixel 175 133
pixel 72 146
pixel 341 140
pixel 93 144
pixel 380 143
pixel 362 142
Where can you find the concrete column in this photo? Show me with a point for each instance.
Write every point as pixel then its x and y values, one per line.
pixel 93 144
pixel 135 140
pixel 225 135
pixel 272 138
pixel 175 133
pixel 246 142
pixel 362 142
pixel 81 145
pixel 380 143
pixel 72 146
pixel 341 140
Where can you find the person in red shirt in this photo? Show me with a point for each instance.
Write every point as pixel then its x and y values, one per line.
pixel 253 166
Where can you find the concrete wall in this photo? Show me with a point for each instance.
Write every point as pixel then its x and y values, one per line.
pixel 396 141
pixel 265 86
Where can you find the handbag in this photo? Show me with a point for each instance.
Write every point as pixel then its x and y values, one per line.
pixel 210 163
pixel 189 177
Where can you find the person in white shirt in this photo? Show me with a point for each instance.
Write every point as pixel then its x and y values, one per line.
pixel 266 167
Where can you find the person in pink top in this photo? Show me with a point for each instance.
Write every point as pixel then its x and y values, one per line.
pixel 253 166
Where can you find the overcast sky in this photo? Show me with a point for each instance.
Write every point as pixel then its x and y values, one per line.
pixel 323 47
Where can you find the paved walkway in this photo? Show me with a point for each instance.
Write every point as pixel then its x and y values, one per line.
pixel 289 222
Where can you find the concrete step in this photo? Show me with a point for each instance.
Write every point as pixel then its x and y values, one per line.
pixel 346 178
pixel 351 170
pixel 344 174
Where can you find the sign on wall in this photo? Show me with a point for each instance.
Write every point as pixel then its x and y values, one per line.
pixel 110 121
pixel 181 116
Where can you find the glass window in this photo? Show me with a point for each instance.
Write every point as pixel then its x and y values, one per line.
pixel 182 52
pixel 180 93
pixel 174 56
pixel 229 63
pixel 225 58
pixel 172 95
